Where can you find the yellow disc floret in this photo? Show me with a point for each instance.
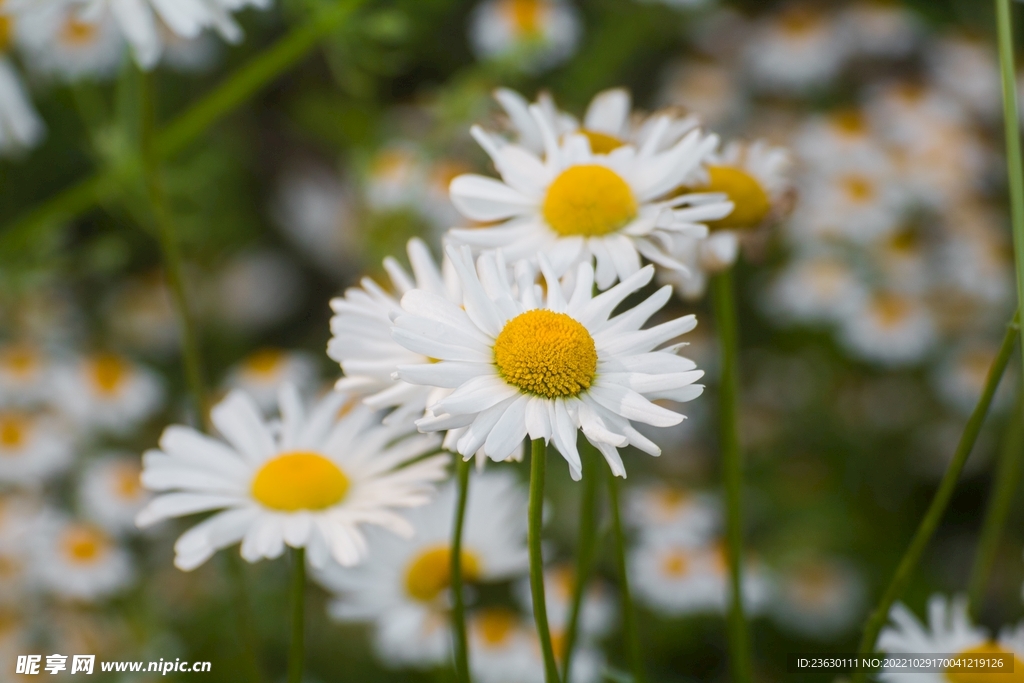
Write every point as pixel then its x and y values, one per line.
pixel 299 481
pixel 6 30
pixel 108 372
pixel 546 353
pixel 84 544
pixel 752 203
pixel 589 200
pixel 966 675
pixel 495 625
pixel 601 143
pixel 430 572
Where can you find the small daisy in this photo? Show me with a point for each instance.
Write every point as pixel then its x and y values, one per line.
pixel 262 373
pixel 256 289
pixel 890 329
pixel 24 374
pixel 535 34
pixel 79 561
pixel 107 391
pixel 658 509
pixel 110 492
pixel 821 288
pixel 310 482
pixel 819 599
pixel 856 206
pixel 33 448
pixel 968 69
pixel 361 333
pixel 526 364
pixel 575 204
pixel 60 42
pixel 841 140
pixel 403 588
pixel 501 644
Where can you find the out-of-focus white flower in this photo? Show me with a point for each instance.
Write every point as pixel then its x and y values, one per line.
pixel 708 89
pixel 25 374
pixel 960 377
pixel 61 42
pixel 839 141
pixel 890 329
pixel 660 509
pixel 403 587
pixel 262 374
pixel 140 314
pixel 107 392
pixel 78 561
pixel 257 289
pixel 854 206
pixel 33 448
pixel 501 646
pixel 881 29
pixel 796 49
pixel 110 492
pixel 19 525
pixel 969 70
pixel 818 599
pixel 536 34
pixel 395 177
pixel 312 480
pixel 815 289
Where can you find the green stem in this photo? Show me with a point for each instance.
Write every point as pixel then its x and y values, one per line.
pixel 586 544
pixel 170 251
pixel 297 650
pixel 243 84
pixel 538 461
pixel 459 612
pixel 732 468
pixel 1005 482
pixel 243 618
pixel 636 659
pixel 926 529
pixel 1011 121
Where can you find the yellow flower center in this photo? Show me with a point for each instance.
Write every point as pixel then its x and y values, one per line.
pixel 83 544
pixel 108 373
pixel 430 573
pixel 20 361
pixel 601 143
pixel 299 480
pixel 78 33
pixel 850 122
pixel 891 309
pixel 264 362
pixel 858 188
pixel 985 650
pixel 676 564
pixel 6 30
pixel 546 353
pixel 495 625
pixel 752 203
pixel 126 481
pixel 14 431
pixel 589 200
pixel 798 21
pixel 669 502
pixel 524 15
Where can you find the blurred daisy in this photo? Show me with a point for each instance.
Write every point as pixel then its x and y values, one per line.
pixel 63 43
pixel 673 578
pixel 657 509
pixel 311 482
pixel 106 391
pixel 968 69
pixel 877 28
pixel 575 205
pixel 501 644
pixel 78 561
pixel 394 178
pixel 33 448
pixel 525 364
pixel 256 289
pixel 25 373
pixel 139 313
pixel 815 289
pixel 361 333
pixel 709 90
pixel 19 525
pixel 855 205
pixel 960 377
pixel 597 612
pixel 796 49
pixel 110 492
pixel 403 587
pixel 262 373
pixel 818 599
pixel 841 140
pixel 890 329
pixel 535 34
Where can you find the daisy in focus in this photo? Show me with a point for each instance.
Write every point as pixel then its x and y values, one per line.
pixel 534 34
pixel 312 481
pixel 108 392
pixel 574 204
pixel 526 362
pixel 403 587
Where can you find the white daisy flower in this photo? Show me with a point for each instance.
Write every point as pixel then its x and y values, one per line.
pixel 25 373
pixel 968 69
pixel 598 610
pixel 819 599
pixel 890 329
pixel 710 90
pixel 110 492
pixel 60 42
pixel 841 140
pixel 575 205
pixel 535 34
pixel 501 645
pixel 20 125
pixel 403 588
pixel 262 373
pixel 658 509
pixel 525 364
pixel 855 205
pixel 106 391
pixel 33 448
pixel 819 288
pixel 310 482
pixel 78 561
pixel 881 29
pixel 361 333
pixel 19 525
pixel 796 49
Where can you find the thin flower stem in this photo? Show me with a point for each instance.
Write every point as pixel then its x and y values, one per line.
pixel 1005 483
pixel 732 468
pixel 1011 122
pixel 636 658
pixel 926 529
pixel 243 618
pixel 538 461
pixel 459 611
pixel 297 650
pixel 586 542
pixel 238 88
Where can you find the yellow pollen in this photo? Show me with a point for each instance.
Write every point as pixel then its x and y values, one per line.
pixel 14 430
pixel 546 353
pixel 108 372
pixel 891 309
pixel 601 143
pixel 858 188
pixel 83 544
pixel 78 33
pixel 430 573
pixel 589 200
pixel 986 650
pixel 20 361
pixel 299 480
pixel 126 481
pixel 752 203
pixel 524 15
pixel 264 362
pixel 676 564
pixel 495 625
pixel 6 30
